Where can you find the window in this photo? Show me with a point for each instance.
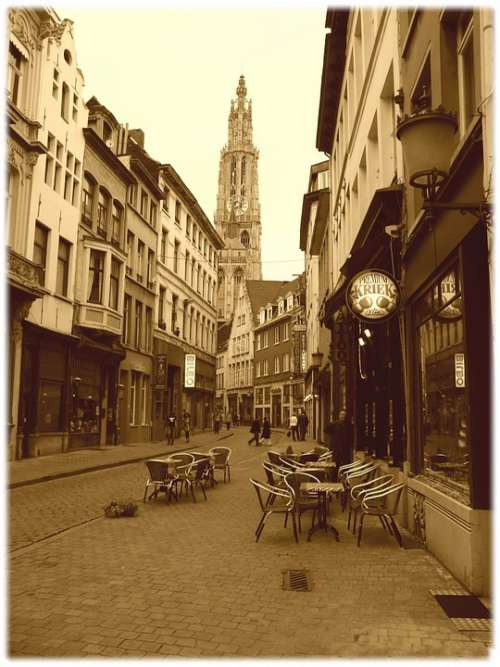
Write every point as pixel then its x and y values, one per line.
pixel 166 199
pixel 63 267
pixel 265 339
pixel 257 342
pixel 198 278
pixel 245 239
pixel 58 167
pixel 116 230
pixel 467 81
pixel 200 240
pixel 130 253
pixel 422 93
pixel 133 393
pixel 75 108
pixel 55 84
pixel 144 204
pixel 176 256
pixel 102 213
pixel 173 321
pixel 132 194
pixel 152 214
pixel 127 314
pixel 49 406
pixel 114 282
pixel 96 275
pixel 286 327
pixel 107 133
pixel 151 263
pixel 205 248
pixel 188 226
pixel 443 411
pixel 161 308
pixel 177 212
pixel 138 324
pixel 149 329
pixel 49 160
pixel 186 266
pixel 195 234
pixel 163 246
pixel 143 398
pixel 265 367
pixel 276 334
pixel 65 102
pixel 40 251
pixel 140 261
pixel 286 363
pixel 14 76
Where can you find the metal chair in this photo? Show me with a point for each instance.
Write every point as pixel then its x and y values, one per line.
pixel 359 490
pixel 274 457
pixel 357 475
pixel 308 457
pixel 275 474
pixel 221 460
pixel 302 502
pixel 281 503
pixel 384 504
pixel 158 479
pixel 196 476
pixel 181 462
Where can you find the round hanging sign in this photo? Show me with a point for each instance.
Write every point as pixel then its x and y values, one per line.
pixel 373 295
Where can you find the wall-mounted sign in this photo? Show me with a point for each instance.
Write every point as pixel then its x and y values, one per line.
pixel 373 295
pixel 189 370
pixel 460 370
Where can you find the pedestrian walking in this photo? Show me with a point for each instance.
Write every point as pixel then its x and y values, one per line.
pixel 255 429
pixel 293 427
pixel 302 423
pixel 339 439
pixel 227 420
pixel 216 421
pixel 186 425
pixel 170 429
pixel 266 431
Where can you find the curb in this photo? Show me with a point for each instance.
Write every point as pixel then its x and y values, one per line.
pixel 103 466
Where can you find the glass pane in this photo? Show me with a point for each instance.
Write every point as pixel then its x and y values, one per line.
pixel 443 400
pixel 49 406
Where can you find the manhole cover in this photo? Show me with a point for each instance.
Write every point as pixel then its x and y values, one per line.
pixel 296 580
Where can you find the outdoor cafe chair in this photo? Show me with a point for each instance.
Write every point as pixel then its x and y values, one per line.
pixel 302 502
pixel 222 456
pixel 384 504
pixel 291 464
pixel 274 457
pixel 275 474
pixel 196 476
pixel 159 478
pixel 308 457
pixel 348 467
pixel 180 462
pixel 281 503
pixel 359 490
pixel 356 475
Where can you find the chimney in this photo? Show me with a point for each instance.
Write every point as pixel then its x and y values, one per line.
pixel 138 136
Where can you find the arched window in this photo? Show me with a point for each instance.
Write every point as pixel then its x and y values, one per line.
pixel 102 212
pixel 88 194
pixel 221 285
pixel 245 239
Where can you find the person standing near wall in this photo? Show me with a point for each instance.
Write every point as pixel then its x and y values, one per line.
pixel 255 429
pixel 186 424
pixel 293 426
pixel 339 439
pixel 170 429
pixel 303 422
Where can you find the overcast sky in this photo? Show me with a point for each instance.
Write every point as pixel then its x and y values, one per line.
pixel 173 71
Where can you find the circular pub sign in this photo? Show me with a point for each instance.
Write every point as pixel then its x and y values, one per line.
pixel 373 295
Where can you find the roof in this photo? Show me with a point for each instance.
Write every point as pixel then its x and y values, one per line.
pixel 261 292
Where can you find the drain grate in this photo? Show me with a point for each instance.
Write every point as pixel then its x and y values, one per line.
pixel 466 612
pixel 296 580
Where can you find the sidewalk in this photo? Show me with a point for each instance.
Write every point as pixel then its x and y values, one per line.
pixel 55 466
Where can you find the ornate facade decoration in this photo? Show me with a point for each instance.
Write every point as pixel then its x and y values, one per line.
pixel 54 30
pixel 237 217
pixel 19 27
pixel 419 517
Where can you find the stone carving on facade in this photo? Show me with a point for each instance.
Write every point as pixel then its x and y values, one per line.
pixel 19 314
pixel 15 159
pixel 19 27
pixel 52 30
pixel 22 271
pixel 30 160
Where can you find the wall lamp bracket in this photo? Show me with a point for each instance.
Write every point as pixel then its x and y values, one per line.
pixel 481 210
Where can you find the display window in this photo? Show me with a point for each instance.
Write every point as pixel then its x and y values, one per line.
pixel 442 381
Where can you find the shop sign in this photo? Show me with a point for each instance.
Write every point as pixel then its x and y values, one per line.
pixel 340 336
pixel 299 327
pixel 373 296
pixel 460 370
pixel 189 370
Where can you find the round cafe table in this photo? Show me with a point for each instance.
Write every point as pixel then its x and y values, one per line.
pixel 323 489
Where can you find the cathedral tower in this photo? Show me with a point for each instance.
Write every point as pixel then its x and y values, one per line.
pixel 237 218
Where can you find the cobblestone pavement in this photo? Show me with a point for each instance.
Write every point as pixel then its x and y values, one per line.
pixel 188 580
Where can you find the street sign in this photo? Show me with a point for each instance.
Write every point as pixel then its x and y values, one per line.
pixel 460 370
pixel 189 370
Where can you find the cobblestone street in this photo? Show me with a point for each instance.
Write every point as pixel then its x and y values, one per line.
pixel 188 579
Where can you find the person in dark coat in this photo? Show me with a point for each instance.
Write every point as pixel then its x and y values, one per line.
pixel 170 429
pixel 255 429
pixel 303 422
pixel 339 439
pixel 266 431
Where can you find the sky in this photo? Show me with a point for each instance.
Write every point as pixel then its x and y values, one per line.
pixel 172 70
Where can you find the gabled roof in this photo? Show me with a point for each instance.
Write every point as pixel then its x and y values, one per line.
pixel 261 292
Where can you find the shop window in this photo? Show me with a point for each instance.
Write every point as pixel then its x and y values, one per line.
pixel 96 276
pixel 49 406
pixel 442 380
pixel 267 395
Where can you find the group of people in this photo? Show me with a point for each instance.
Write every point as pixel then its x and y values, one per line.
pixel 170 430
pixel 222 418
pixel 298 426
pixel 259 432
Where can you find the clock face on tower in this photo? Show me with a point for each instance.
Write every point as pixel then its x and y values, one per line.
pixel 238 204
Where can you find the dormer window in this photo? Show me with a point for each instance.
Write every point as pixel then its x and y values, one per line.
pixel 269 312
pixel 262 316
pixel 107 134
